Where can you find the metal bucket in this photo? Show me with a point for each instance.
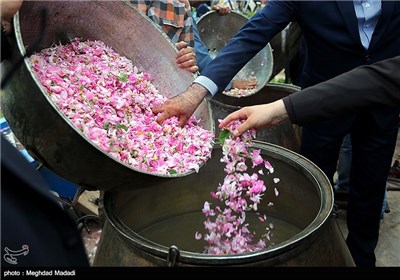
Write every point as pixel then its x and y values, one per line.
pixel 284 134
pixel 156 226
pixel 216 31
pixel 42 128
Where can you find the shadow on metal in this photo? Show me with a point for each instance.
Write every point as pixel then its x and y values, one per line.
pixel 157 226
pixel 216 31
pixel 42 128
pixel 284 134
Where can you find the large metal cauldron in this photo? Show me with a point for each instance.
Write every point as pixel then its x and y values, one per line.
pixel 49 136
pixel 156 226
pixel 216 31
pixel 284 134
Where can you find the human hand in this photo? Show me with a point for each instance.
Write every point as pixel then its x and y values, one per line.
pixel 257 116
pixel 186 57
pixel 221 10
pixel 182 106
pixel 244 84
pixel 187 4
pixel 8 9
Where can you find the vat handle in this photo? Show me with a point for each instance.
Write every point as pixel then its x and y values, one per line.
pixel 173 256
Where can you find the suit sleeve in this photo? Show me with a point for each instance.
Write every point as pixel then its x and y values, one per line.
pixel 363 87
pixel 252 38
pixel 203 58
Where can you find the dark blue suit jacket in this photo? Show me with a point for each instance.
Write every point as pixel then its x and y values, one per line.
pixel 32 219
pixel 331 32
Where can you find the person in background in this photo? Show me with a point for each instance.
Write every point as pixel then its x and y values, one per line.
pixel 394 173
pixel 354 91
pixel 203 7
pixel 231 4
pixel 339 36
pixel 203 57
pixel 174 18
pixel 383 86
pixel 35 230
pixel 341 185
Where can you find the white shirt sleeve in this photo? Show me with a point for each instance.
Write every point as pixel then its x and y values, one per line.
pixel 207 83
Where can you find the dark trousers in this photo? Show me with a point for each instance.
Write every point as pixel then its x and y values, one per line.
pixel 374 141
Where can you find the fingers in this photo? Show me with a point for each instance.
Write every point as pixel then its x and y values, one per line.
pixel 221 10
pixel 182 120
pixel 182 44
pixel 166 115
pixel 192 69
pixel 162 117
pixel 241 128
pixel 224 11
pixel 157 109
pixel 242 114
pixel 185 54
pixel 186 59
pixel 189 66
pixel 237 115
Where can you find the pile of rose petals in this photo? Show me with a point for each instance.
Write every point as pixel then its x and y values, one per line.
pixel 109 100
pixel 236 92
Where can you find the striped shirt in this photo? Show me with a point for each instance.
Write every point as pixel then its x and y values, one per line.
pixel 172 16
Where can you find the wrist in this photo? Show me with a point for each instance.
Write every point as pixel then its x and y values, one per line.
pixel 198 90
pixel 280 111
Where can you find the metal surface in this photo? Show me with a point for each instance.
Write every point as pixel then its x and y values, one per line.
pixel 285 49
pixel 43 130
pixel 216 31
pixel 305 201
pixel 284 134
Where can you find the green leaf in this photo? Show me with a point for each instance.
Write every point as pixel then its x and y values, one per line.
pixel 123 78
pixel 121 126
pixel 134 153
pixel 172 171
pixel 106 125
pixel 223 136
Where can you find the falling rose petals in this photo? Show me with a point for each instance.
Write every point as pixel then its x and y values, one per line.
pixel 276 180
pixel 109 99
pixel 197 236
pixel 268 165
pixel 240 193
pixel 276 191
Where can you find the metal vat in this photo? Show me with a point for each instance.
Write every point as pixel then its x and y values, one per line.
pixel 284 134
pixel 216 31
pixel 43 130
pixel 156 226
